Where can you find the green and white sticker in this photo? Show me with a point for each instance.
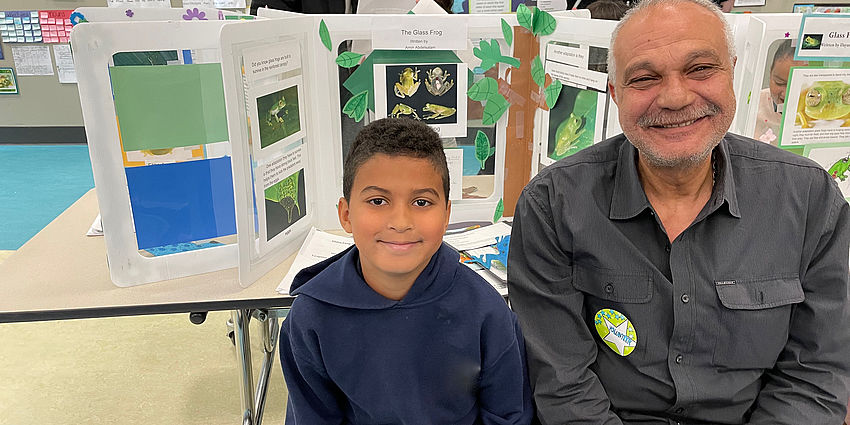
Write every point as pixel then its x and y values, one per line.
pixel 616 331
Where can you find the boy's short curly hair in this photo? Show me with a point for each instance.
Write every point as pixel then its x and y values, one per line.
pixel 395 137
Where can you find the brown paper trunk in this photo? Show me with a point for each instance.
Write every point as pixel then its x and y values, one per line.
pixel 519 137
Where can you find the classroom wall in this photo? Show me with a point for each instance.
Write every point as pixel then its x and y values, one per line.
pixel 42 101
pixel 784 6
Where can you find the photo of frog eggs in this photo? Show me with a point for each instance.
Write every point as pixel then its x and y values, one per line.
pixel 424 92
pixel 824 104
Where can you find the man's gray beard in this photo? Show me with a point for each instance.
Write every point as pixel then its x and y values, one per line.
pixel 683 163
pixel 652 119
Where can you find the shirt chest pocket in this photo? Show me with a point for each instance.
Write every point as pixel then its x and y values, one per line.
pixel 755 316
pixel 628 293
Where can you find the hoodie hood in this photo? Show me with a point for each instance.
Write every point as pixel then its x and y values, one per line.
pixel 338 281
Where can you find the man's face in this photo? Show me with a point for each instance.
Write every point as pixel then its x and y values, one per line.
pixel 397 213
pixel 673 84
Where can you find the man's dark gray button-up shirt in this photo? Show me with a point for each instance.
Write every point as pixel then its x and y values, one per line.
pixel 743 318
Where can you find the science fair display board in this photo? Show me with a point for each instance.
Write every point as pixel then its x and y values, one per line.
pixel 153 105
pixel 446 71
pixel 213 141
pixel 817 107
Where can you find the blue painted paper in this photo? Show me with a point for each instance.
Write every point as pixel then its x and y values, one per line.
pixel 182 202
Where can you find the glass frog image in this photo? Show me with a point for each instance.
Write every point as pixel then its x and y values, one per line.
pixel 438 111
pixel 274 118
pixel 810 42
pixel 575 131
pixel 840 168
pixel 436 81
pixel 567 133
pixel 824 100
pixel 408 83
pixel 402 109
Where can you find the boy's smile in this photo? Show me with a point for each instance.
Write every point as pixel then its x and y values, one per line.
pixel 397 214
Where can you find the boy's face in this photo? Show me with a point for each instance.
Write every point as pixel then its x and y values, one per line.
pixel 397 214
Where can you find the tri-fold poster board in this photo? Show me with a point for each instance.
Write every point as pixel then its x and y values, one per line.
pixel 218 143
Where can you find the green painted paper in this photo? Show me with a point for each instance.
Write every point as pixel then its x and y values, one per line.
pixel 363 79
pixel 537 73
pixel 325 36
pixel 523 16
pixel 163 107
pixel 507 32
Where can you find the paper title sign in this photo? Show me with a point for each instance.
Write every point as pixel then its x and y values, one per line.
pixel 824 37
pixel 422 33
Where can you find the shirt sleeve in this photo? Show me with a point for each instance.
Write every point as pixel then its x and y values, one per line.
pixel 313 397
pixel 504 394
pixel 807 384
pixel 559 345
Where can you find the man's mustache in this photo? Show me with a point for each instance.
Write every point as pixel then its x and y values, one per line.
pixel 666 117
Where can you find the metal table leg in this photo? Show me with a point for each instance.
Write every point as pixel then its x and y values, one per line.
pixel 254 404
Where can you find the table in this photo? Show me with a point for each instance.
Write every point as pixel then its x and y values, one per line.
pixel 62 274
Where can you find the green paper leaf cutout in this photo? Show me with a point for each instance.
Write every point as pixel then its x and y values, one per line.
pixel 356 106
pixel 507 32
pixel 523 15
pixel 543 23
pixel 494 109
pixel 483 150
pixel 325 35
pixel 500 208
pixel 348 59
pixel 552 92
pixel 490 54
pixel 537 73
pixel 483 89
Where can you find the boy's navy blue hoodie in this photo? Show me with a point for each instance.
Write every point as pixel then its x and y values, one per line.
pixel 449 352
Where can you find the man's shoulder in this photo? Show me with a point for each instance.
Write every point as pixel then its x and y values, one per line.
pixel 747 152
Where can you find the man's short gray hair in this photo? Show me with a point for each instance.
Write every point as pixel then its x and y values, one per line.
pixel 646 4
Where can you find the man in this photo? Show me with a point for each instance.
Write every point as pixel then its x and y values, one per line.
pixel 678 273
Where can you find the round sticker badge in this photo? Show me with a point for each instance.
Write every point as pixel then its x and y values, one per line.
pixel 616 331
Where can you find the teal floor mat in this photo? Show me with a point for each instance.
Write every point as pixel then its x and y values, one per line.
pixel 37 183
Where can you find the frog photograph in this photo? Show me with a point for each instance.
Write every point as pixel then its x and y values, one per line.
pixel 572 122
pixel 278 115
pixel 424 92
pixel 824 104
pixel 836 161
pixel 285 203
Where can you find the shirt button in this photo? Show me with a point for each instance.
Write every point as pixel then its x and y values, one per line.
pixel 667 247
pixel 679 359
pixel 680 411
pixel 685 298
pixel 609 288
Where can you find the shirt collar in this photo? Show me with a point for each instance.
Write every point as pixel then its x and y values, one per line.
pixel 628 198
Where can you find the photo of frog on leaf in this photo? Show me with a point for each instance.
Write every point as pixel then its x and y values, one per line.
pixel 572 122
pixel 424 92
pixel 824 104
pixel 278 115
pixel 285 203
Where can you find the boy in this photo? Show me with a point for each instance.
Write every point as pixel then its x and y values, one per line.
pixel 395 330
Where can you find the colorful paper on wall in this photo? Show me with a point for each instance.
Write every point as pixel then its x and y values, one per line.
pixel 163 107
pixel 8 83
pixel 181 202
pixel 55 25
pixel 20 26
